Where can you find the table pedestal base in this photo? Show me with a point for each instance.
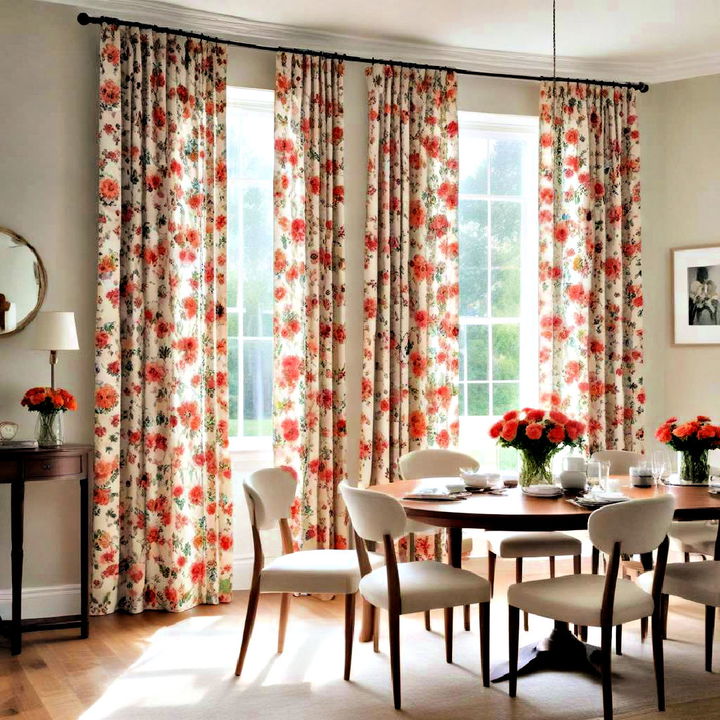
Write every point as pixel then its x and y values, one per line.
pixel 560 651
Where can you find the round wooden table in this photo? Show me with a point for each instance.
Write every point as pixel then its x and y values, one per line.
pixel 515 511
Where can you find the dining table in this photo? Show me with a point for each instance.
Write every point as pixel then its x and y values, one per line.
pixel 514 510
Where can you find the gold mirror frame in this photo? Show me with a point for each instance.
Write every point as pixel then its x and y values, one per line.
pixel 42 281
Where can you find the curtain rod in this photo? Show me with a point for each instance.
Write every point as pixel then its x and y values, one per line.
pixel 85 19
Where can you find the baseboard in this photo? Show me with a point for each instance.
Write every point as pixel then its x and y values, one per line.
pixel 65 599
pixel 43 601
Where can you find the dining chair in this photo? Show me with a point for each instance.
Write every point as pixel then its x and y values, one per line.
pixel 434 463
pixel 620 460
pixel 634 526
pixel 693 536
pixel 270 493
pixel 410 587
pixel 698 582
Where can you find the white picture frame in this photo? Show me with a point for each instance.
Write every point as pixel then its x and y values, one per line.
pixel 696 295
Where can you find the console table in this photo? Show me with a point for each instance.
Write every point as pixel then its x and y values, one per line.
pixel 17 467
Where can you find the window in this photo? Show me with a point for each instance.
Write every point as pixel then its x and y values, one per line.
pixel 498 273
pixel 249 267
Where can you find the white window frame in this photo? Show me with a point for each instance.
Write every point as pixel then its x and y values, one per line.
pixel 494 126
pixel 260 100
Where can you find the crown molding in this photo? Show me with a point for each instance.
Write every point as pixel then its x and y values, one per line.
pixel 274 34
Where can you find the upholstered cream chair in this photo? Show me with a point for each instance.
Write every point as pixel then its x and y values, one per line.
pixel 270 493
pixel 698 582
pixel 693 536
pixel 620 460
pixel 635 526
pixel 434 463
pixel 402 588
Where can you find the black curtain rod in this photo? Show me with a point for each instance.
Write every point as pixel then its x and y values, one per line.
pixel 85 19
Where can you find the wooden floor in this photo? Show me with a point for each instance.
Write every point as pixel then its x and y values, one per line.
pixel 58 677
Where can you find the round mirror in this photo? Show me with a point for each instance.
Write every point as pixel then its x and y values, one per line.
pixel 22 282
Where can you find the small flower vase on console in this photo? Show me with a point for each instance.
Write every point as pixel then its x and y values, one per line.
pixel 692 439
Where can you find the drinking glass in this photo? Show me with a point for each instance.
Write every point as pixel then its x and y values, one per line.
pixel 659 464
pixel 593 474
pixel 607 483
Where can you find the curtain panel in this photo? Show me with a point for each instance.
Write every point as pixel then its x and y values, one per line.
pixel 411 291
pixel 162 535
pixel 590 289
pixel 309 390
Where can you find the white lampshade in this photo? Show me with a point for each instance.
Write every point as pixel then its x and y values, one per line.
pixel 53 331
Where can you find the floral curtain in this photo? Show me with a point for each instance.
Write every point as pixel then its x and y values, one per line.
pixel 590 296
pixel 410 355
pixel 162 534
pixel 309 401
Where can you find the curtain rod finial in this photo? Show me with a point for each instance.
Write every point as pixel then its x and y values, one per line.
pixel 644 87
pixel 83 18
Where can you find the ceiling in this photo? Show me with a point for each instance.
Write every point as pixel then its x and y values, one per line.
pixel 648 39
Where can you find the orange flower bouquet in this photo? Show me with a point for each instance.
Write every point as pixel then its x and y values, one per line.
pixel 692 440
pixel 537 435
pixel 49 404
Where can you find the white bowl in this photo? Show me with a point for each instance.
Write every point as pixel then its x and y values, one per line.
pixel 479 480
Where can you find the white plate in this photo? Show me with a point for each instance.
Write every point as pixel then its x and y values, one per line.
pixel 547 491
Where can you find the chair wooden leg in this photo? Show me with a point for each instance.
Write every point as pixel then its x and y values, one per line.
pixel 466 616
pixel 376 631
pixel 249 623
pixel 577 570
pixel 349 631
pixel 394 624
pixel 595 563
pixel 552 566
pixel 658 661
pixel 427 621
pixel 518 579
pixel 284 607
pixel 606 668
pixel 709 632
pixel 485 642
pixel 665 612
pixel 618 639
pixel 411 547
pixel 514 628
pixel 492 557
pixel 687 557
pixel 448 633
pixel 643 629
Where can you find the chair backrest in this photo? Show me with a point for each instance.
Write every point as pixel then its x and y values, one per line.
pixel 270 493
pixel 620 460
pixel 373 514
pixel 435 462
pixel 638 525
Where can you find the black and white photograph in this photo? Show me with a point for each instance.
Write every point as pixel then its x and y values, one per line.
pixel 696 295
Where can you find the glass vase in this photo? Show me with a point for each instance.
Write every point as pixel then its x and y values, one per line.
pixel 535 469
pixel 694 467
pixel 49 429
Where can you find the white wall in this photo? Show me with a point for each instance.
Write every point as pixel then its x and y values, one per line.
pixel 680 188
pixel 47 194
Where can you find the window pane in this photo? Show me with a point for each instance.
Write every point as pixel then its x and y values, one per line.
pixel 249 135
pixel 506 396
pixel 477 352
pixel 505 226
pixel 473 240
pixel 233 324
pixel 506 166
pixel 473 168
pixel 257 387
pixel 505 293
pixel 507 458
pixel 506 352
pixel 257 260
pixel 478 399
pixel 461 399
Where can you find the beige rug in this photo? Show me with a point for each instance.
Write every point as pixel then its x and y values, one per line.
pixel 187 672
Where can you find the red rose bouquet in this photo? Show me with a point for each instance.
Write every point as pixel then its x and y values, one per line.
pixel 49 404
pixel 692 440
pixel 537 435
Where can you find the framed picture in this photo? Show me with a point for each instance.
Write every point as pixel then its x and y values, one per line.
pixel 696 293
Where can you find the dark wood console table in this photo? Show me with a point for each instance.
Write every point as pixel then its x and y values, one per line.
pixel 17 467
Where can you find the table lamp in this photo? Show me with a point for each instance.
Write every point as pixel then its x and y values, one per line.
pixel 53 331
